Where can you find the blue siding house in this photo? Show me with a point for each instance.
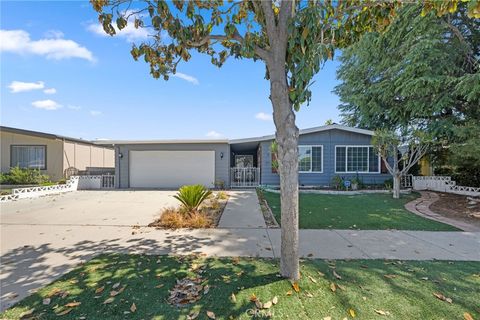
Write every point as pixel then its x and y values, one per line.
pixel 324 152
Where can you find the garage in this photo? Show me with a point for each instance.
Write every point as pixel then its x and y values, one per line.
pixel 171 169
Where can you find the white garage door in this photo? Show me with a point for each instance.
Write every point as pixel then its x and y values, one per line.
pixel 171 169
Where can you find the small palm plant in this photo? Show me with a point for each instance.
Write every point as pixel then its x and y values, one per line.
pixel 192 197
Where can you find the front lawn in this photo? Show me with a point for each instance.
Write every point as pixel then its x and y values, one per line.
pixel 137 287
pixel 365 212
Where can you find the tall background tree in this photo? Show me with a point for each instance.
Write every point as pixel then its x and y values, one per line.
pixel 292 38
pixel 423 71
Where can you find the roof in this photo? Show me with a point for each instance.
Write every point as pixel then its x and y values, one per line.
pixel 307 131
pixel 170 141
pixel 44 135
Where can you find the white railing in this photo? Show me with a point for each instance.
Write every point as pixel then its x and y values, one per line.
pixel 96 182
pixel 443 184
pixel 406 181
pixel 33 192
pixel 244 177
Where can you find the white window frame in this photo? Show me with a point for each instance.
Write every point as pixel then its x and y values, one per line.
pixel 311 158
pixel 346 159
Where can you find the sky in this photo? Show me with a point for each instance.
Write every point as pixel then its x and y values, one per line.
pixel 61 74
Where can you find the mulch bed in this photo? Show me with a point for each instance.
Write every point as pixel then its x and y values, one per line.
pixel 457 207
pixel 211 211
pixel 268 216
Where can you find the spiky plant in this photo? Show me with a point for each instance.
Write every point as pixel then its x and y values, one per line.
pixel 192 197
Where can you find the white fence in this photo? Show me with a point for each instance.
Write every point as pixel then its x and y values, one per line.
pixel 244 177
pixel 443 184
pixel 73 184
pixel 33 192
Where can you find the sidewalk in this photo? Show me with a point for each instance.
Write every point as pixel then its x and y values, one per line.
pixel 34 255
pixel 242 211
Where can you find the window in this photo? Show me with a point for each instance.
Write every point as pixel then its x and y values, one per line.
pixel 32 157
pixel 310 158
pixel 350 159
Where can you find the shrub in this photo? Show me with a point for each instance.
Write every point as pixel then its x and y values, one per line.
pixel 337 182
pixel 222 195
pixel 18 175
pixel 192 197
pixel 388 184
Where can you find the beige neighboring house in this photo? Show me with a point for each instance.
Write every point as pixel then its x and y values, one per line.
pixel 51 153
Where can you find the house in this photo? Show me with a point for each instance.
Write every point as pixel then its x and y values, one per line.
pixel 324 152
pixel 54 155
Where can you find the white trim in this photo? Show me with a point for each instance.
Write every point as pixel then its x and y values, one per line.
pixel 306 131
pixel 173 141
pixel 311 158
pixel 346 159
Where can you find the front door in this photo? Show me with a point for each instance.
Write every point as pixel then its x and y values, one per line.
pixel 244 161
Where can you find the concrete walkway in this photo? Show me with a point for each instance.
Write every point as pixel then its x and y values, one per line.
pixel 242 211
pixel 36 250
pixel 421 207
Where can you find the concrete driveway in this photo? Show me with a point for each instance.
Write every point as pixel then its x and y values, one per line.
pixel 94 208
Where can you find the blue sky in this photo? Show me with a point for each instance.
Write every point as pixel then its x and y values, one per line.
pixel 101 92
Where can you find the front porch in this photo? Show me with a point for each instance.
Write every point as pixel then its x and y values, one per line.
pixel 245 165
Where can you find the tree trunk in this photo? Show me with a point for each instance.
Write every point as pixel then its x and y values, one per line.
pixel 287 141
pixel 396 186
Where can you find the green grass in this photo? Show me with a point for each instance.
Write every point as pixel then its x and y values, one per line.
pixel 364 212
pixel 406 292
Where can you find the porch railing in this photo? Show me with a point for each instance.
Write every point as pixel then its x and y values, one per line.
pixel 244 177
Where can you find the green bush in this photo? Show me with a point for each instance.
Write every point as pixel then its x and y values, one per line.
pixel 337 182
pixel 18 175
pixel 192 197
pixel 388 184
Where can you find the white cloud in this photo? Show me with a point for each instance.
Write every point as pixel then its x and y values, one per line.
pixel 46 104
pixel 18 41
pixel 76 108
pixel 263 116
pixel 53 34
pixel 19 86
pixel 214 134
pixel 95 113
pixel 50 91
pixel 130 33
pixel 187 77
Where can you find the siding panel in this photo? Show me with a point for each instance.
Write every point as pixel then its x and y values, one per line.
pixel 329 139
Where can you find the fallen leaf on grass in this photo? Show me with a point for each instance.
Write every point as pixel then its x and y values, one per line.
pixel 467 316
pixel 336 275
pixel 308 294
pixel 233 297
pixel 46 301
pixel 312 279
pixel 289 292
pixel 333 287
pixel 258 304
pixel 253 297
pixel 211 315
pixel 53 292
pixel 159 286
pixel 109 300
pixel 26 314
pixel 381 312
pixel 352 312
pixel 275 300
pixel 339 286
pixel 116 285
pixel 295 287
pixel 390 276
pixel 327 318
pixel 442 297
pixel 133 308
pixel 321 274
pixel 267 305
pixel 73 304
pixel 193 315
pixel 64 312
pixel 99 290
